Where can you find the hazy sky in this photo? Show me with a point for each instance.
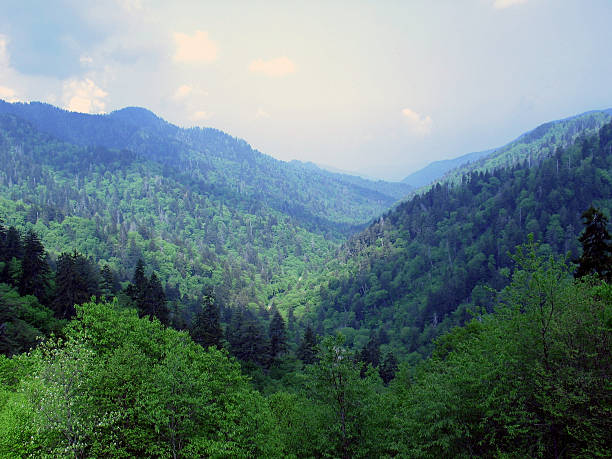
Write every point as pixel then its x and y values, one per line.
pixel 380 87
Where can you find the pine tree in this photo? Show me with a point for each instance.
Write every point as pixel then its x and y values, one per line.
pixel 247 339
pixel 12 246
pixel 278 336
pixel 307 351
pixel 206 329
pixel 11 255
pixel 388 368
pixel 596 242
pixel 369 355
pixel 76 282
pixel 34 268
pixel 109 284
pixel 154 304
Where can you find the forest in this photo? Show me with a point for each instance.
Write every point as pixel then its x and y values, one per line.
pixel 174 293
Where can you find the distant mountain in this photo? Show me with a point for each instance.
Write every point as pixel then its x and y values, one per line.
pixel 437 169
pixel 203 209
pixel 528 146
pixel 436 259
pixel 534 145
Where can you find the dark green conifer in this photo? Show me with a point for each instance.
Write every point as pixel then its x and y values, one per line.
pixel 206 329
pixel 307 351
pixel 388 368
pixel 278 336
pixel 34 268
pixel 596 242
pixel 76 281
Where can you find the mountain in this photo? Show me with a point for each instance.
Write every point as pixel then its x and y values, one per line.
pixel 531 145
pixel 534 144
pixel 203 209
pixel 437 169
pixel 435 260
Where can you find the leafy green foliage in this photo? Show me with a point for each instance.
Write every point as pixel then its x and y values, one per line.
pixel 529 380
pixel 596 242
pixel 428 264
pixel 124 386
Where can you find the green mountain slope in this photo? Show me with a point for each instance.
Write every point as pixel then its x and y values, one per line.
pixel 425 265
pixel 437 169
pixel 204 210
pixel 533 145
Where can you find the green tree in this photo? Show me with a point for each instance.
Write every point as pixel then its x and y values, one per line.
pixel 388 368
pixel 278 336
pixel 596 242
pixel 206 328
pixel 354 424
pixel 76 281
pixel 34 268
pixel 307 351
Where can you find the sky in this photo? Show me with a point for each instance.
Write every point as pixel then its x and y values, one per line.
pixel 378 87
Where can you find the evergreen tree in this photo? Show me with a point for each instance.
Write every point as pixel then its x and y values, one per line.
pixel 12 251
pixel 76 282
pixel 369 355
pixel 388 368
pixel 307 351
pixel 247 339
pixel 109 284
pixel 278 336
pixel 11 245
pixel 596 242
pixel 154 304
pixel 34 268
pixel 206 329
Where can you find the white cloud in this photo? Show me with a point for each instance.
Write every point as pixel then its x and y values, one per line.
pixel 8 94
pixel 261 114
pixel 502 4
pixel 200 115
pixel 130 5
pixel 418 123
pixel 4 56
pixel 182 91
pixel 195 48
pixel 276 67
pixel 86 60
pixel 83 96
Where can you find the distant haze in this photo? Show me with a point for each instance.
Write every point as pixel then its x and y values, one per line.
pixel 380 88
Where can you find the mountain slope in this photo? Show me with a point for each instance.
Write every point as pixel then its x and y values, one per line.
pixel 203 209
pixel 426 264
pixel 437 169
pixel 530 145
pixel 534 144
pixel 209 155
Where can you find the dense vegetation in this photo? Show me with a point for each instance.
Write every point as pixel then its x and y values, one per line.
pixel 530 380
pixel 423 267
pixel 201 208
pixel 152 306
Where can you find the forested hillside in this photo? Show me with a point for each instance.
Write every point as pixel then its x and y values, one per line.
pixel 184 296
pixel 202 209
pixel 531 146
pixel 430 264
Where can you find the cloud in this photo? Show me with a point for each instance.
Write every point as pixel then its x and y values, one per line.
pixel 201 115
pixel 84 96
pixel 276 67
pixel 418 123
pixel 182 91
pixel 503 4
pixel 4 56
pixel 261 114
pixel 130 5
pixel 86 60
pixel 8 94
pixel 195 48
